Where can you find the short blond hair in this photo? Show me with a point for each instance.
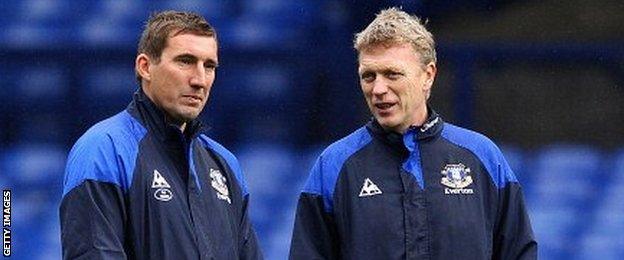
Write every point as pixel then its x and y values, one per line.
pixel 393 26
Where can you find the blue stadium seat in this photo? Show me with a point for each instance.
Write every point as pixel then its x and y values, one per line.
pixel 261 25
pixel 604 238
pixel 102 31
pixel 108 86
pixel 42 83
pixel 48 126
pixel 5 183
pixel 265 98
pixel 268 168
pixel 28 209
pixel 255 85
pixel 567 174
pixel 29 86
pixel 279 241
pixel 34 167
pixel 565 180
pixel 44 11
pixel 35 225
pixel 38 23
pixel 50 234
pixel 111 23
pixel 278 12
pixel 213 11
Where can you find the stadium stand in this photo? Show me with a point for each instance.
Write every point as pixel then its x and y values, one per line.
pixel 287 84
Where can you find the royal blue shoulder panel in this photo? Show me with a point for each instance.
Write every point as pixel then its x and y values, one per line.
pixel 324 174
pixel 487 152
pixel 105 149
pixel 229 158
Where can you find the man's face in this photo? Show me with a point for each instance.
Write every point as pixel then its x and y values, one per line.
pixel 395 84
pixel 180 83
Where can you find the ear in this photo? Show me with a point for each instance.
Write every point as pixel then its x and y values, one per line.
pixel 142 66
pixel 430 73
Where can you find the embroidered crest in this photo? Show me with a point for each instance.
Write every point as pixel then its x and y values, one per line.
pixel 456 178
pixel 219 184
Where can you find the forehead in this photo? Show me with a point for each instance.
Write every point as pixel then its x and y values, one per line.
pixel 201 46
pixel 383 55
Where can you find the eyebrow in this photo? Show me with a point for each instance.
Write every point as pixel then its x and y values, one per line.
pixel 195 58
pixel 382 69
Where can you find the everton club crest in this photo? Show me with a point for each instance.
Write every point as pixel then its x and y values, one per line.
pixel 218 183
pixel 456 179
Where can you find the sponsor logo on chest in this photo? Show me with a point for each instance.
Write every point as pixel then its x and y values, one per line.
pixel 369 189
pixel 456 178
pixel 163 189
pixel 218 183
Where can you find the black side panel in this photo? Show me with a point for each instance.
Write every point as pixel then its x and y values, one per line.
pixel 514 237
pixel 92 222
pixel 248 242
pixel 314 235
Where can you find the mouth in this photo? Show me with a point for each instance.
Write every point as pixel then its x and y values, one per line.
pixel 192 100
pixel 384 107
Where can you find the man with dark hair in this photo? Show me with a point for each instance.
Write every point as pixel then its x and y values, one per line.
pixel 148 183
pixel 408 185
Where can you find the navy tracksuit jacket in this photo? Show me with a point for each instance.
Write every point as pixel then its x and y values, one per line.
pixel 138 188
pixel 436 192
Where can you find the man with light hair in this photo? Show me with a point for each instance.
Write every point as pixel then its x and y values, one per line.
pixel 408 185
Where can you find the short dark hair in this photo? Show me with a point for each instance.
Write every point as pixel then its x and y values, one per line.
pixel 162 25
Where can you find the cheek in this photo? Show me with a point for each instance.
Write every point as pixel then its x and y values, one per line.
pixel 367 90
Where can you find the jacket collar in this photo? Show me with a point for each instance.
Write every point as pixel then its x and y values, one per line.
pixel 430 129
pixel 154 120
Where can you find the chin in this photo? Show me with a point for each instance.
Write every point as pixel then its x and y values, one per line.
pixel 387 124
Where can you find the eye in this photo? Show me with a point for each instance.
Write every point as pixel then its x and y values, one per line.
pixel 210 66
pixel 184 63
pixel 367 77
pixel 393 75
pixel 185 60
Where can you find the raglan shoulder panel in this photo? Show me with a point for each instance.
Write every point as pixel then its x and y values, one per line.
pixel 488 153
pixel 326 170
pixel 229 157
pixel 107 152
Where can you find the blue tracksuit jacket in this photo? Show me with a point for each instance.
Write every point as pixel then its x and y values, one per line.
pixel 436 192
pixel 138 188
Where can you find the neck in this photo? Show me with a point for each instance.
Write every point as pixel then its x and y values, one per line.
pixel 179 124
pixel 418 119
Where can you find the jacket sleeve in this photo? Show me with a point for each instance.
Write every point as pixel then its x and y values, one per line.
pixel 92 226
pixel 92 211
pixel 314 234
pixel 514 237
pixel 249 247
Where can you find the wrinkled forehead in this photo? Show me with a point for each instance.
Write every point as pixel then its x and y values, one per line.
pixel 382 56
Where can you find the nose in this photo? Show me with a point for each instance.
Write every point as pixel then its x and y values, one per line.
pixel 380 87
pixel 199 77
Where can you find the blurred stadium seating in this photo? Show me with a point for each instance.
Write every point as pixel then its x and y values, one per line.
pixel 286 85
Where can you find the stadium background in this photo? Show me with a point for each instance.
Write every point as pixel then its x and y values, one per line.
pixel 544 79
